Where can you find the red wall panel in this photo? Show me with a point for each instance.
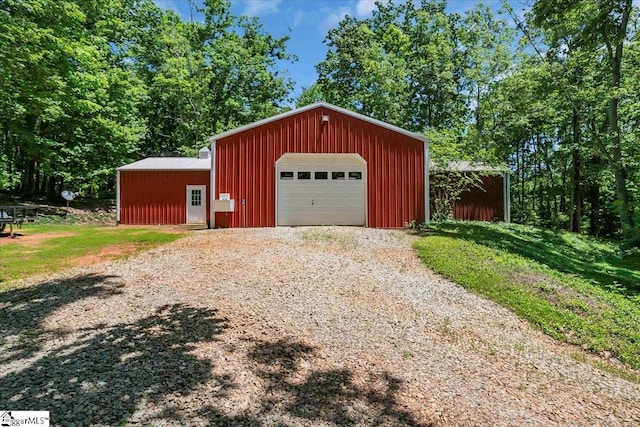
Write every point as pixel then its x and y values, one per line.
pixel 157 197
pixel 479 205
pixel 245 166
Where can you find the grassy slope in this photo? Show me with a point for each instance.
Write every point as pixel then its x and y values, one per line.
pixel 576 289
pixel 54 253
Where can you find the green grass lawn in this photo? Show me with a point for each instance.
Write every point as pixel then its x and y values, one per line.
pixel 580 290
pixel 47 248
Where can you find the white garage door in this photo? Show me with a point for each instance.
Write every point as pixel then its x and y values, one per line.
pixel 321 189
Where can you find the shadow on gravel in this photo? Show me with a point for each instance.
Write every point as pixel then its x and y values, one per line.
pixel 109 370
pixel 102 375
pixel 22 310
pixel 328 396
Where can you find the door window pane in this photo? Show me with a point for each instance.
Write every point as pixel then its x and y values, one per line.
pixel 337 175
pixel 355 175
pixel 321 175
pixel 286 175
pixel 196 197
pixel 304 175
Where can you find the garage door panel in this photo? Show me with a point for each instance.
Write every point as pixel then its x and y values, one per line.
pixel 321 201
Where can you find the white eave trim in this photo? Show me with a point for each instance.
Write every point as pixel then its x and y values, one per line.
pixel 161 169
pixel 311 107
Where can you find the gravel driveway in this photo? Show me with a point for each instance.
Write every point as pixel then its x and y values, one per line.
pixel 288 326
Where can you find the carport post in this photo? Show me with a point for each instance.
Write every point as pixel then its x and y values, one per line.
pixel 507 196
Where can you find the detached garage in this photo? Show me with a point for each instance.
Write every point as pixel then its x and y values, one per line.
pixel 319 165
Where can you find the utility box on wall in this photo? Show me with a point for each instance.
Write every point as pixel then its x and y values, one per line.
pixel 224 205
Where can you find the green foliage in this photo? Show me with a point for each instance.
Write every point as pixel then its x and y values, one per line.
pixel 419 67
pixel 61 246
pixel 87 86
pixel 310 95
pixel 580 290
pixel 446 187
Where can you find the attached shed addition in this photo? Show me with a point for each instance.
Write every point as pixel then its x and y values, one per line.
pixel 164 190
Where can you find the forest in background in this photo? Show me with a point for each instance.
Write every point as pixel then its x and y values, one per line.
pixel 89 85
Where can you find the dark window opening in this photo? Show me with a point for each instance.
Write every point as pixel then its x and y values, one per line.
pixel 286 175
pixel 355 175
pixel 196 197
pixel 337 175
pixel 304 175
pixel 321 175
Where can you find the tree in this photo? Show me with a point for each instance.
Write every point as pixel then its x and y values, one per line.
pixel 599 26
pixel 88 85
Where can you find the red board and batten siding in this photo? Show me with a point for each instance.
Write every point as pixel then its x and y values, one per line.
pixel 482 205
pixel 157 197
pixel 245 166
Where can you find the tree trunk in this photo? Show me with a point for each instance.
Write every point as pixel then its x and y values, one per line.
pixel 28 179
pixel 51 189
pixel 576 198
pixel 522 198
pixel 563 196
pixel 620 172
pixel 594 216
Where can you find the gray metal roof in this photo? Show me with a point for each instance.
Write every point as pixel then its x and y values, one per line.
pixel 467 166
pixel 168 163
pixel 311 107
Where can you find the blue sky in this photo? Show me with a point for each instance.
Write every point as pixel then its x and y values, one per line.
pixel 307 23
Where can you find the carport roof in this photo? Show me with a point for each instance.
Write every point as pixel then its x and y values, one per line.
pixel 466 166
pixel 168 163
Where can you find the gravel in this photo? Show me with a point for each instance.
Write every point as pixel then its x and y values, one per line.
pixel 291 327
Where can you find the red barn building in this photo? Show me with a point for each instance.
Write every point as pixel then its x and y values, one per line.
pixel 315 165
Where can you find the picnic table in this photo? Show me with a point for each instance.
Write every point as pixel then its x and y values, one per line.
pixel 16 215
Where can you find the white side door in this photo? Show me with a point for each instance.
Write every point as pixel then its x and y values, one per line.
pixel 196 204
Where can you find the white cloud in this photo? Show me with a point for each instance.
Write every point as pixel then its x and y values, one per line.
pixel 298 18
pixel 365 7
pixel 261 7
pixel 334 17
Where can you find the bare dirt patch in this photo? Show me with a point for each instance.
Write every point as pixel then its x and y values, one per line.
pixel 107 253
pixel 22 238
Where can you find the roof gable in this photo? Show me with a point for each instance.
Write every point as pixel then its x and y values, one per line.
pixel 314 106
